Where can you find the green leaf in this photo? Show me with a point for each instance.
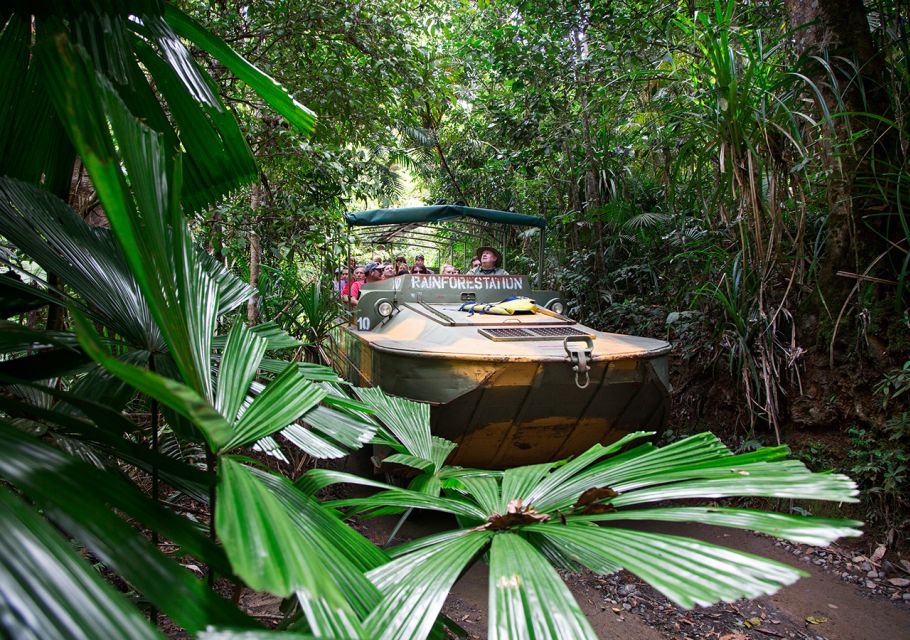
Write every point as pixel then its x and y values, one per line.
pixel 486 492
pixel 425 542
pixel 256 530
pixel 33 146
pixel 86 258
pixel 802 529
pixel 287 398
pixel 352 432
pixel 787 481
pixel 269 90
pixel 44 364
pixel 14 44
pixel 409 461
pixel 350 554
pixel 413 500
pixel 313 372
pixel 171 393
pixel 16 297
pixel 415 586
pixel 557 480
pixel 527 598
pixel 60 485
pixel 312 444
pixel 219 159
pixel 329 433
pixel 317 479
pixel 519 482
pixel 232 291
pixel 689 572
pixel 406 420
pixel 70 601
pixel 104 434
pixel 242 353
pixel 99 387
pixel 256 527
pixel 182 297
pixel 277 339
pixel 145 214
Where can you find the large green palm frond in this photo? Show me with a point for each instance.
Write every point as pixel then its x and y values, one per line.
pixel 575 514
pixel 78 497
pixel 90 59
pixel 138 178
pixel 233 420
pixel 136 49
pixel 72 602
pixel 86 258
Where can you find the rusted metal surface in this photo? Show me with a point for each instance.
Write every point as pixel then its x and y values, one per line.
pixel 506 403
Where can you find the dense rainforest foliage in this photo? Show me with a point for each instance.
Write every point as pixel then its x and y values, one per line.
pixel 732 176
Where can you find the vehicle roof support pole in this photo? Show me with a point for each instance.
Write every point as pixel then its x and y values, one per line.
pixel 540 256
pixel 504 245
pixel 350 273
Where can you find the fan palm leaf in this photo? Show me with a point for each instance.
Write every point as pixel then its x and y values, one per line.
pixel 58 484
pixel 73 601
pixel 570 514
pixel 137 50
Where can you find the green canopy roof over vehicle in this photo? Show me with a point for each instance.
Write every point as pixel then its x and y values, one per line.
pixel 439 213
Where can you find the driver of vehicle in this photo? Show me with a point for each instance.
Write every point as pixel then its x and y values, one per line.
pixel 490 259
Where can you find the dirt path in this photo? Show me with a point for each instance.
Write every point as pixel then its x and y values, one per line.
pixel 621 606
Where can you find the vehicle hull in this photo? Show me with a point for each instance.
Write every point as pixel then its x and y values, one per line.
pixel 507 409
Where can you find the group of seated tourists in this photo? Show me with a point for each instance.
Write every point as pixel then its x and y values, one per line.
pixel 484 263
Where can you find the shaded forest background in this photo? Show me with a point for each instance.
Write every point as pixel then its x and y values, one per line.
pixel 730 176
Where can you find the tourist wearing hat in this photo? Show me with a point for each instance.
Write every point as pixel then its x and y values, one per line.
pixel 490 260
pixel 373 273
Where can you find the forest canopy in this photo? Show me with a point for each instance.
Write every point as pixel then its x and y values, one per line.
pixel 174 178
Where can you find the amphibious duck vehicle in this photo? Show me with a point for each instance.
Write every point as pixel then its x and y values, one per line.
pixel 509 389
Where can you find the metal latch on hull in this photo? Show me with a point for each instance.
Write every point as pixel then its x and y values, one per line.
pixel 579 349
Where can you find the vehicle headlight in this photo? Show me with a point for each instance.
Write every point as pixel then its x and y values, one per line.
pixel 384 308
pixel 558 307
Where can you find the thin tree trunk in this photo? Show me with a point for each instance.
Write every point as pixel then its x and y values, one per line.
pixel 592 192
pixel 841 28
pixel 56 315
pixel 216 237
pixel 252 307
pixel 434 127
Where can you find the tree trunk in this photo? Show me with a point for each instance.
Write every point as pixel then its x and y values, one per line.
pixel 841 28
pixel 56 315
pixel 216 237
pixel 252 307
pixel 592 191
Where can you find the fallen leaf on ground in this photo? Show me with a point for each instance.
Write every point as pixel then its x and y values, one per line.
pixel 816 619
pixel 752 622
pixel 879 553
